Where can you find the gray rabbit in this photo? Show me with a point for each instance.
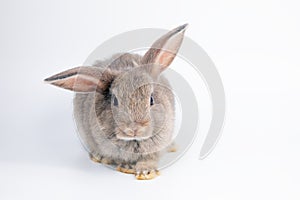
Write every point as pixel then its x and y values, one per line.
pixel 124 108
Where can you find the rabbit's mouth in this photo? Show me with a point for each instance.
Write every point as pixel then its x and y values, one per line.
pixel 121 135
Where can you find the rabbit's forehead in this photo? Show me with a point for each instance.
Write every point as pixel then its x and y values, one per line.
pixel 139 94
pixel 129 90
pixel 132 83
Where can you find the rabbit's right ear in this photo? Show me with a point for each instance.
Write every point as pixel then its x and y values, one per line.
pixel 82 79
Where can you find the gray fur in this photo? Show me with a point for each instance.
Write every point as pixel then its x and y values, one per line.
pixel 133 132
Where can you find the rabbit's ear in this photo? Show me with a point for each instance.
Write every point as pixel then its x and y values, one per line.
pixel 164 50
pixel 82 79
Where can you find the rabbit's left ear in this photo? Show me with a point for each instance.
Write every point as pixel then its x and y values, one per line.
pixel 164 50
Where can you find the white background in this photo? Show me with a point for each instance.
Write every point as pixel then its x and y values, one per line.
pixel 255 46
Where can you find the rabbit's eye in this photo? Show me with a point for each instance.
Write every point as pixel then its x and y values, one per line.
pixel 116 103
pixel 151 101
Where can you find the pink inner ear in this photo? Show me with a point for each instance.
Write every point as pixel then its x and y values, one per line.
pixel 79 83
pixel 82 84
pixel 165 58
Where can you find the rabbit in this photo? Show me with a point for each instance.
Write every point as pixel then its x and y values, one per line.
pixel 124 107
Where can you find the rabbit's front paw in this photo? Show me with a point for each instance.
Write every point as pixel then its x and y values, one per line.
pixel 100 159
pixel 126 168
pixel 145 171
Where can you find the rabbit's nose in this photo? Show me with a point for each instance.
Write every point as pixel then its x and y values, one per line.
pixel 132 130
pixel 136 128
pixel 142 123
pixel 129 132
